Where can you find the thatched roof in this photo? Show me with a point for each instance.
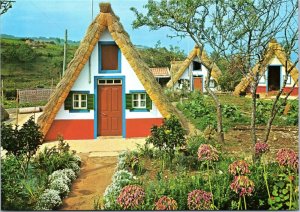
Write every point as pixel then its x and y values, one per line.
pixel 274 50
pixel 106 19
pixel 160 72
pixel 178 70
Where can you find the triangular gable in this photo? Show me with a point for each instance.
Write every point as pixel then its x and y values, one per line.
pixel 215 73
pixel 274 50
pixel 105 20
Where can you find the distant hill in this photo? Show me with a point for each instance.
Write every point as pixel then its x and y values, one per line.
pixel 45 39
pixel 28 63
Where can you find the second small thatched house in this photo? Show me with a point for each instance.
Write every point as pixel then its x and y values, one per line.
pixel 107 89
pixel 272 73
pixel 192 72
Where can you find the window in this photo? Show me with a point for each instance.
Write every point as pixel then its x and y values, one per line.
pixel 212 83
pixel 139 100
pixel 80 101
pixel 196 65
pixel 109 57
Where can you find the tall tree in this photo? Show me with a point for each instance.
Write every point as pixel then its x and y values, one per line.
pixel 184 18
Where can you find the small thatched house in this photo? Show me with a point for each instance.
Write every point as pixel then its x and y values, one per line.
pixel 162 75
pixel 192 72
pixel 107 90
pixel 272 73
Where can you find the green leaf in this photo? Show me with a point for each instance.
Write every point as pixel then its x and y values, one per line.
pixel 274 193
pixel 277 199
pixel 284 191
pixel 280 184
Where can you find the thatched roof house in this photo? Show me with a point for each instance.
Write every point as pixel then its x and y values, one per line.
pixel 75 108
pixel 195 65
pixel 272 71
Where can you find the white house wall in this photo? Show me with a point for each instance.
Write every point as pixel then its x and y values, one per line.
pixel 82 84
pixel 274 62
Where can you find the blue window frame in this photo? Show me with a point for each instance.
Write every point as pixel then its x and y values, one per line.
pixel 100 47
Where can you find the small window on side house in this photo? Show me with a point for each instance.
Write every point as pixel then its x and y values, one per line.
pixel 212 83
pixel 196 65
pixel 109 57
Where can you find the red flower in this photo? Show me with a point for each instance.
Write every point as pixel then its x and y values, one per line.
pixel 131 196
pixel 207 152
pixel 287 157
pixel 199 200
pixel 261 147
pixel 239 167
pixel 242 185
pixel 166 203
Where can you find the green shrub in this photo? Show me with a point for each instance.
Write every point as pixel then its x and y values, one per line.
pixel 49 200
pixel 168 136
pixel 60 186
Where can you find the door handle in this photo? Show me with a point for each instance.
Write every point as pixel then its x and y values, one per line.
pixel 103 114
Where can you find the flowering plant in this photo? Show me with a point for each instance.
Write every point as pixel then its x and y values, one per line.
pixel 49 200
pixel 131 197
pixel 199 200
pixel 242 185
pixel 60 186
pixel 166 203
pixel 287 157
pixel 239 167
pixel 207 152
pixel 261 147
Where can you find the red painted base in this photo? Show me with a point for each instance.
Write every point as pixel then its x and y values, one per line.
pixel 71 130
pixel 141 127
pixel 262 90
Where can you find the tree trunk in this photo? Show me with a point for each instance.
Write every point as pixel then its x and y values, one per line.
pixel 253 119
pixel 219 109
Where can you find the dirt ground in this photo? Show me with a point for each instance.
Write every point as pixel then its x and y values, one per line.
pixel 95 176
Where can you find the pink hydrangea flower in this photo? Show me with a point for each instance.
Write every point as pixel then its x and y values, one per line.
pixel 166 203
pixel 207 152
pixel 287 157
pixel 242 185
pixel 199 200
pixel 239 167
pixel 261 147
pixel 131 197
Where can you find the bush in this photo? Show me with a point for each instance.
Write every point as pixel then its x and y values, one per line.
pixel 59 174
pixel 55 158
pixel 60 185
pixel 49 200
pixel 70 174
pixel 168 136
pixel 119 180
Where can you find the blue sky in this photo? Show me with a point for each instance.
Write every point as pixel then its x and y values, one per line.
pixel 50 18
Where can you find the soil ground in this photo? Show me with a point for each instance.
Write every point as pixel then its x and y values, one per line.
pixel 95 176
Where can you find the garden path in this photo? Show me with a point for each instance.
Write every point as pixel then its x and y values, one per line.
pixel 95 176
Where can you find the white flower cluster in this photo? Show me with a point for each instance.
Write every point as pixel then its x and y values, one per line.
pixel 60 174
pixel 77 159
pixel 120 179
pixel 74 167
pixel 122 160
pixel 70 174
pixel 49 200
pixel 60 186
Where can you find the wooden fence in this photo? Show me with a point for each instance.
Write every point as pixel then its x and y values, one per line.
pixel 33 95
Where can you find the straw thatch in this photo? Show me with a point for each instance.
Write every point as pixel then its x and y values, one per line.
pixel 274 50
pixel 105 20
pixel 179 68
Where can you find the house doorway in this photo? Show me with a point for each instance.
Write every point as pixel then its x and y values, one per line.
pixel 109 107
pixel 273 78
pixel 198 84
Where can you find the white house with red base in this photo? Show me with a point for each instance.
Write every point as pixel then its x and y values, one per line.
pixel 191 73
pixel 107 89
pixel 274 68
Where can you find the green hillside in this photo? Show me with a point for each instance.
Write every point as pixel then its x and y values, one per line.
pixel 31 64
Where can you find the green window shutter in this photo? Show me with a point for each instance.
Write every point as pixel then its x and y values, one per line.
pixel 129 101
pixel 148 102
pixel 69 101
pixel 90 101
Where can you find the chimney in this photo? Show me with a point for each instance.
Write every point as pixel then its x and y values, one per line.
pixel 105 7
